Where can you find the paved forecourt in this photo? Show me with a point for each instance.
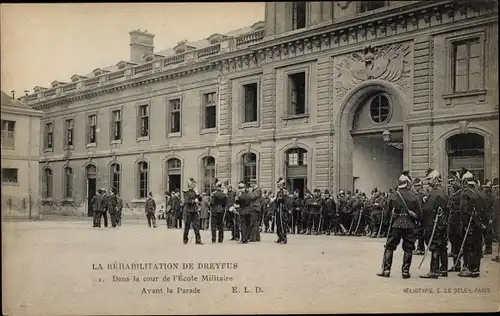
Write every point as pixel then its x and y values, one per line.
pixel 54 268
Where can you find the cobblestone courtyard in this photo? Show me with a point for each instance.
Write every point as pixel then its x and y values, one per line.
pixel 49 268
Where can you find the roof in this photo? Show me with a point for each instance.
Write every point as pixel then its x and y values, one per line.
pixel 9 101
pixel 198 44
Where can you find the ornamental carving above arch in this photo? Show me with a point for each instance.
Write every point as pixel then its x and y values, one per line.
pixel 389 63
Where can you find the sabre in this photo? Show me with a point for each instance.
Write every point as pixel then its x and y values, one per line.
pixel 439 213
pixel 359 221
pixel 380 226
pixel 350 227
pixel 319 225
pixel 463 241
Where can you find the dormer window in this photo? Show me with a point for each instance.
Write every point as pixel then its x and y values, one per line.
pixel 299 15
pixel 97 73
pixel 215 38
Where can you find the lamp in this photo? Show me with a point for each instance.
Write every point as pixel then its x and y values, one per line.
pixel 386 135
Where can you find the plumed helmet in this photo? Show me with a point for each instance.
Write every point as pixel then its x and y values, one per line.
pixel 468 177
pixel 326 191
pixel 341 192
pixel 404 181
pixel 241 185
pixel 487 184
pixel 407 174
pixel 495 183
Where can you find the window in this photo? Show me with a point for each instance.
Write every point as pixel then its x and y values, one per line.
pixel 8 134
pixel 47 183
pixel 116 124
pixel 49 135
pixel 143 121
pixel 299 15
pixel 379 109
pixel 249 167
pixel 466 151
pixel 115 176
pixel 208 173
pixel 9 175
pixel 92 136
pixel 143 179
pixel 174 164
pixel 69 126
pixel 210 113
pixel 250 102
pixel 68 182
pixel 467 65
pixel 297 157
pixel 297 90
pixel 175 116
pixel 372 5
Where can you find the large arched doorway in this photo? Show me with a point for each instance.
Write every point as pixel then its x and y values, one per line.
pixel 466 151
pixel 370 140
pixel 296 169
pixel 174 172
pixel 91 183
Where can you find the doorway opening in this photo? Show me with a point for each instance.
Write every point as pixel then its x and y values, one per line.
pixel 297 184
pixel 377 163
pixel 91 188
pixel 174 182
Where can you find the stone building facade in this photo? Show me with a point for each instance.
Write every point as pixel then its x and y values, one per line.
pixel 331 95
pixel 20 158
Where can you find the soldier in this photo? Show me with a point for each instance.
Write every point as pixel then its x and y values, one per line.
pixel 329 209
pixel 315 205
pixel 357 214
pixel 191 199
pixel 256 194
pixel 150 208
pixel 454 225
pixel 495 220
pixel 418 189
pixel 104 210
pixel 305 212
pixel 281 213
pixel 402 208
pixel 111 203
pixel 376 205
pixel 269 213
pixel 231 217
pixel 488 233
pixel 435 222
pixel 175 206
pixel 342 211
pixel 97 207
pixel 473 222
pixel 119 208
pixel 243 203
pixel 218 204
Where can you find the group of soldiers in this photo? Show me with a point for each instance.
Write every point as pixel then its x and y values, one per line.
pixel 104 203
pixel 465 216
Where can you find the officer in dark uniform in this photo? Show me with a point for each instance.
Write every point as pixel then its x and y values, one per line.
pixel 435 219
pixel 231 217
pixel 111 203
pixel 191 215
pixel 495 220
pixel 281 215
pixel 418 189
pixel 474 218
pixel 376 206
pixel 305 212
pixel 97 207
pixel 296 212
pixel 243 204
pixel 403 208
pixel 315 205
pixel 488 233
pixel 329 209
pixel 218 205
pixel 150 208
pixel 454 225
pixel 343 211
pixel 256 194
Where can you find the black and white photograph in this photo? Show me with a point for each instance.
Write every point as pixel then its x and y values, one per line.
pixel 214 158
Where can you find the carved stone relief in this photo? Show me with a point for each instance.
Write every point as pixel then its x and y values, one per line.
pixel 389 63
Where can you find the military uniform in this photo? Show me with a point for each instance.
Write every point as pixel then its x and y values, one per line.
pixel 305 212
pixel 150 208
pixel 175 206
pixel 281 215
pixel 314 204
pixel 244 201
pixel 191 216
pixel 343 210
pixel 376 205
pixel 357 215
pixel 231 217
pixel 472 211
pixel 256 196
pixel 296 214
pixel 329 210
pixel 218 204
pixel 435 214
pixel 403 208
pixel 488 232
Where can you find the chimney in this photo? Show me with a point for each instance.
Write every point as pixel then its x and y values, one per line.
pixel 141 42
pixel 13 94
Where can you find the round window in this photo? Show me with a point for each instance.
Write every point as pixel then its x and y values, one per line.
pixel 380 109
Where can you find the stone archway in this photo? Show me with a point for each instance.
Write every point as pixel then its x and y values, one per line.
pixel 344 142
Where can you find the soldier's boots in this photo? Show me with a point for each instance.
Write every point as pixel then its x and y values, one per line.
pixel 149 222
pixel 457 265
pixel 405 269
pixel 386 264
pixel 468 274
pixel 434 269
pixel 443 260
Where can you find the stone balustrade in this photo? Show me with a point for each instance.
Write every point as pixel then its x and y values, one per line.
pixel 246 39
pixel 208 51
